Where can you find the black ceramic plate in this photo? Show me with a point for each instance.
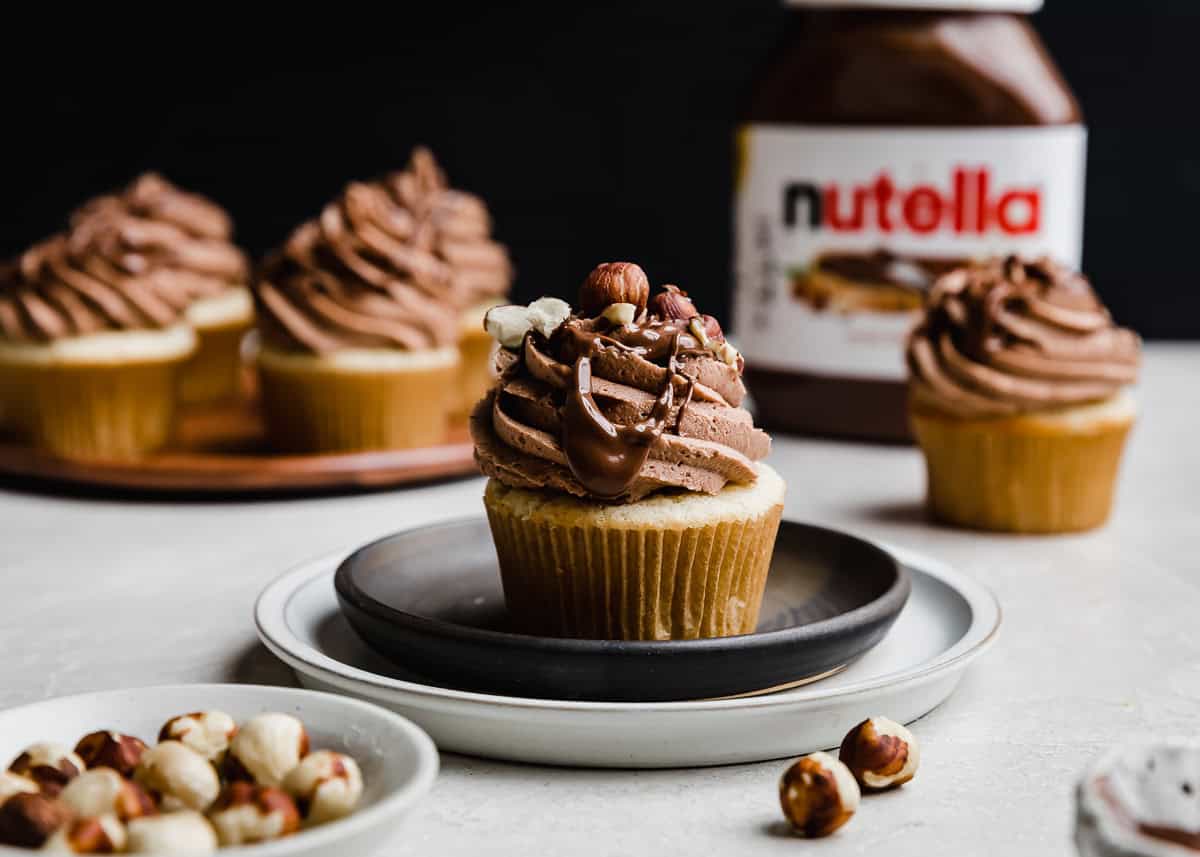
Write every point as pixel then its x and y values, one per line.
pixel 430 599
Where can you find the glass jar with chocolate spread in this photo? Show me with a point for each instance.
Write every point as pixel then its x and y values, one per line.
pixel 886 142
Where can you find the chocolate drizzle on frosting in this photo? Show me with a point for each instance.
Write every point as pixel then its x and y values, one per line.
pixel 387 264
pixel 1009 336
pixel 617 411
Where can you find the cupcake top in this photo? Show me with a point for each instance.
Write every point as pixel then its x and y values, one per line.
pixel 1009 336
pixel 57 290
pixel 154 227
pixel 387 264
pixel 629 396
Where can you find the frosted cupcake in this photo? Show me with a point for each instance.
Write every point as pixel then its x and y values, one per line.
pixel 1018 397
pixel 455 226
pixel 183 241
pixel 627 496
pixel 359 332
pixel 89 358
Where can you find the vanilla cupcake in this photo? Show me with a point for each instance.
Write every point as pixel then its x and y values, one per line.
pixel 627 496
pixel 359 331
pixel 183 241
pixel 1018 397
pixel 89 355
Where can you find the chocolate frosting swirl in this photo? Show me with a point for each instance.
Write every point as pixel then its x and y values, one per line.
pixel 615 412
pixel 387 264
pixel 1009 336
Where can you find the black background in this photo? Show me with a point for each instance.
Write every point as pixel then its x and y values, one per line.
pixel 595 131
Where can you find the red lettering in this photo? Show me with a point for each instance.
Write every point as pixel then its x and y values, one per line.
pixel 1013 205
pixel 923 209
pixel 883 200
pixel 833 217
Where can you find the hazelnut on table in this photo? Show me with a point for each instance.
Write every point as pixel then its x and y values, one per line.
pixel 103 835
pixel 818 795
pixel 108 749
pixel 246 813
pixel 880 753
pixel 266 749
pixel 326 786
pixel 51 766
pixel 178 776
pixel 183 833
pixel 206 732
pixel 28 820
pixel 102 791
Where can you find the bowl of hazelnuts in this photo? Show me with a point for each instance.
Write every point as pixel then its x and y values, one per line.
pixel 193 769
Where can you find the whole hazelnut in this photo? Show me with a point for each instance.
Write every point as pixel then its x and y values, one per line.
pixel 672 303
pixel 185 832
pixel 50 766
pixel 103 835
pixel 880 753
pixel 178 776
pixel 102 791
pixel 266 749
pixel 818 795
pixel 15 784
pixel 326 785
pixel 614 283
pixel 28 820
pixel 107 749
pixel 246 813
pixel 206 732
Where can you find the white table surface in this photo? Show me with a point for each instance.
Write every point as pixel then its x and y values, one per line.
pixel 1099 646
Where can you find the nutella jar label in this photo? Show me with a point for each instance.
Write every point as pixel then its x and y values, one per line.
pixel 840 231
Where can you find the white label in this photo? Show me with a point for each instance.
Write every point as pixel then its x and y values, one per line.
pixel 839 230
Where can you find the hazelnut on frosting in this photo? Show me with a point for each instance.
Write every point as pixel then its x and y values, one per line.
pixel 266 749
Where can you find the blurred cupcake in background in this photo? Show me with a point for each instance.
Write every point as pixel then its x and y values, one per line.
pixel 1018 397
pixel 90 353
pixel 359 331
pixel 183 241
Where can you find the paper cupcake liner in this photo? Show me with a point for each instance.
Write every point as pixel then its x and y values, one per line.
pixel 214 371
pixel 315 408
pixel 1025 474
pixel 595 579
pixel 474 373
pixel 105 411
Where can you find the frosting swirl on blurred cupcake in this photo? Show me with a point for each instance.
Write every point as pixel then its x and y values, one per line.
pixel 629 397
pixel 1009 336
pixel 387 264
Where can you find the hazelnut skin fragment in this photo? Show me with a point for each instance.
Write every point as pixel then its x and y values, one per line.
pixel 614 283
pixel 28 820
pixel 818 795
pixel 880 753
pixel 106 749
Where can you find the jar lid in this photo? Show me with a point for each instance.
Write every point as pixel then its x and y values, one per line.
pixel 949 5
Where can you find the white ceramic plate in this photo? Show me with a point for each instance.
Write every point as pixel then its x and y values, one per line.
pixel 399 763
pixel 949 620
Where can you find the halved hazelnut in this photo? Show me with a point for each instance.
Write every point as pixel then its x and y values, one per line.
pixel 266 749
pixel 183 832
pixel 51 766
pixel 206 732
pixel 613 283
pixel 102 791
pixel 107 749
pixel 880 753
pixel 546 315
pixel 178 776
pixel 246 813
pixel 818 795
pixel 103 835
pixel 28 820
pixel 326 786
pixel 508 324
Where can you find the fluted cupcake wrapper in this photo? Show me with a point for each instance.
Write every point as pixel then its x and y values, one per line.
pixel 100 411
pixel 214 371
pixel 331 409
pixel 1023 474
pixel 598 580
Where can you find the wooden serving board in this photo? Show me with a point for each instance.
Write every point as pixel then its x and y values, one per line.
pixel 222 450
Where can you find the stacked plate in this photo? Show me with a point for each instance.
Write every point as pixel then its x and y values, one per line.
pixel 416 622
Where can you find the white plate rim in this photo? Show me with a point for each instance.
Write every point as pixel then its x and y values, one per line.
pixel 388 807
pixel 270 610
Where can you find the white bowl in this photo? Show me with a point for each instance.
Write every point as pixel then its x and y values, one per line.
pixel 399 762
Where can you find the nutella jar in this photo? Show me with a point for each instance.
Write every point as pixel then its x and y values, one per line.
pixel 886 142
